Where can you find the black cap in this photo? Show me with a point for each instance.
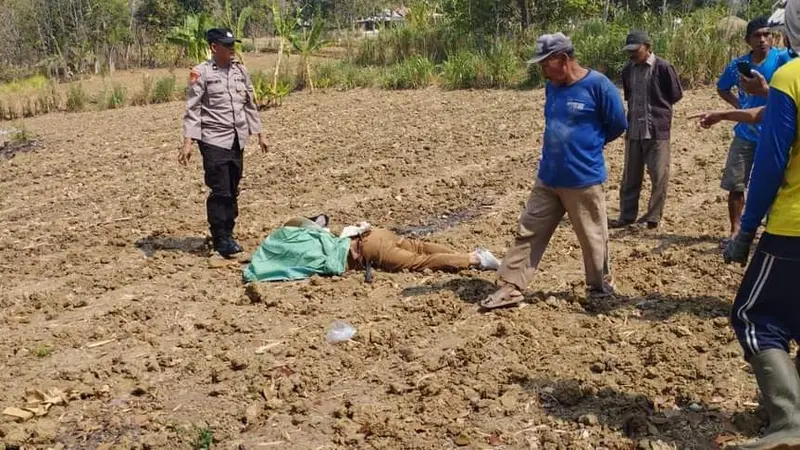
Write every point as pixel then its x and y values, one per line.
pixel 220 36
pixel 636 39
pixel 755 25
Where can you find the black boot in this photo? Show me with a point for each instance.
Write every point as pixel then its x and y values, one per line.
pixel 232 244
pixel 223 243
pixel 779 383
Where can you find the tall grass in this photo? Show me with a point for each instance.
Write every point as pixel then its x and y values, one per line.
pixel 413 73
pixel 395 45
pixel 77 98
pixel 695 47
pixel 145 94
pixel 164 90
pixel 344 75
pixel 116 98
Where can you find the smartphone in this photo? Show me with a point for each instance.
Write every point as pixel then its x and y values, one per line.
pixel 744 69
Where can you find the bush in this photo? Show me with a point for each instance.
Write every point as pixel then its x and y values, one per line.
pixel 460 71
pixel 76 98
pixel 117 97
pixel 248 47
pixel 164 91
pixel 265 95
pixel 145 95
pixel 496 68
pixel 343 75
pixel 413 73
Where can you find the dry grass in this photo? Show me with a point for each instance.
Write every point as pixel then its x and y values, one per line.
pixel 36 96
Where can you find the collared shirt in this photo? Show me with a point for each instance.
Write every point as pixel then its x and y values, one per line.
pixel 775 177
pixel 640 111
pixel 220 105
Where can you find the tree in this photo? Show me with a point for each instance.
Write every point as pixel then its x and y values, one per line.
pixel 237 24
pixel 284 27
pixel 309 42
pixel 191 36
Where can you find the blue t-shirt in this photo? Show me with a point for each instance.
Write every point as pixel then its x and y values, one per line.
pixel 730 79
pixel 579 120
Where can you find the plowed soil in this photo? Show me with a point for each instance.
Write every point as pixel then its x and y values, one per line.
pixel 109 296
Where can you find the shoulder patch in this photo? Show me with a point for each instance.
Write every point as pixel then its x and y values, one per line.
pixel 194 75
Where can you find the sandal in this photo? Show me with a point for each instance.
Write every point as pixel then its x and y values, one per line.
pixel 505 296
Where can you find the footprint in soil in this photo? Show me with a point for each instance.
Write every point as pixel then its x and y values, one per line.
pixel 151 244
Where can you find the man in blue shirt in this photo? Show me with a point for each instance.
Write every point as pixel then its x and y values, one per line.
pixel 764 59
pixel 583 112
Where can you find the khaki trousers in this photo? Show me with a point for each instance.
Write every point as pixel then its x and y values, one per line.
pixel 544 209
pixel 654 155
pixel 388 251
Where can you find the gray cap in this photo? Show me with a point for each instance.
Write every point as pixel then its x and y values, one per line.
pixel 636 39
pixel 550 44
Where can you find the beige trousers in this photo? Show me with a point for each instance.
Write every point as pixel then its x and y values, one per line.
pixel 389 252
pixel 544 209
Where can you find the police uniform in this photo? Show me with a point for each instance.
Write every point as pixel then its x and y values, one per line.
pixel 221 115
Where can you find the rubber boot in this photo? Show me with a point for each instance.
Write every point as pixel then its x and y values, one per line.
pixel 779 383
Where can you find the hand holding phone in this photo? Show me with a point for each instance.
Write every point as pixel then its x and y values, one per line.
pixel 744 69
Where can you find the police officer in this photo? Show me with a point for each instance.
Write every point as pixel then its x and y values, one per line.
pixel 221 114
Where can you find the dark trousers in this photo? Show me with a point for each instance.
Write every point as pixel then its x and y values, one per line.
pixel 640 154
pixel 223 170
pixel 766 312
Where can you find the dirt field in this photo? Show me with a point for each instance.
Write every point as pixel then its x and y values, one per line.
pixel 107 294
pixel 97 87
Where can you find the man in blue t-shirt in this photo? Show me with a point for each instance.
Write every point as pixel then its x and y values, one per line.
pixel 764 59
pixel 583 112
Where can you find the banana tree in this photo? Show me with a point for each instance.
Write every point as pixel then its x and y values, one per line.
pixel 284 27
pixel 191 36
pixel 237 25
pixel 309 42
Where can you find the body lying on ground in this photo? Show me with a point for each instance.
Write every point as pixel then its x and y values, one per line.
pixel 303 247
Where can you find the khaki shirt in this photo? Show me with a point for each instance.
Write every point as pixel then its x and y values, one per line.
pixel 639 104
pixel 220 105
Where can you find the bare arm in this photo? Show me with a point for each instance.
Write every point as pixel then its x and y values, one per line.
pixel 710 118
pixel 728 97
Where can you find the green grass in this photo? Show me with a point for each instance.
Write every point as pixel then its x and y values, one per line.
pixel 77 98
pixel 116 99
pixel 343 75
pixel 468 61
pixel 203 440
pixel 42 350
pixel 33 83
pixel 164 90
pixel 413 73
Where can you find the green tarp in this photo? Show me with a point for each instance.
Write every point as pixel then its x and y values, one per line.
pixel 296 253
